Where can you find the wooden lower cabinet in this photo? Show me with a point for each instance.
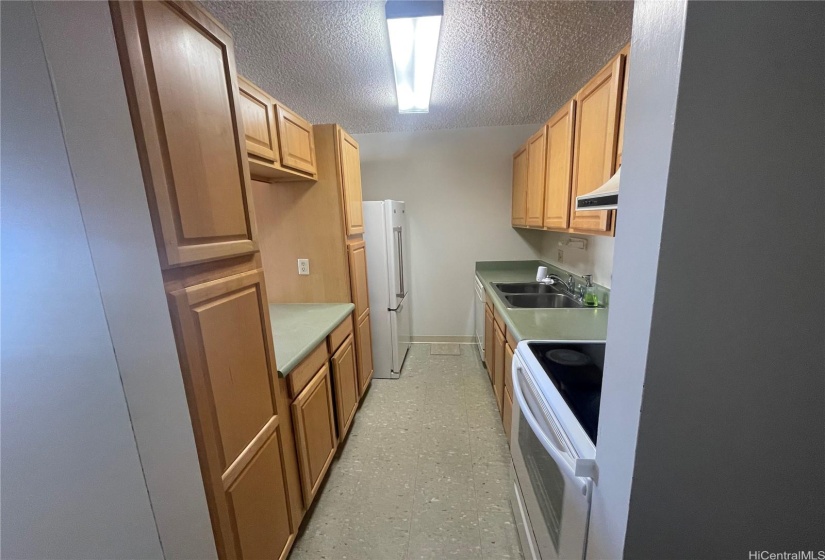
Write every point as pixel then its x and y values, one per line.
pixel 508 367
pixel 489 341
pixel 498 368
pixel 224 342
pixel 363 343
pixel 313 419
pixel 258 499
pixel 345 376
pixel 507 414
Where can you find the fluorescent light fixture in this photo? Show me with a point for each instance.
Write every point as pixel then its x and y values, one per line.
pixel 414 27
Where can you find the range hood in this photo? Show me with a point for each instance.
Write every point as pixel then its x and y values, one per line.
pixel 605 197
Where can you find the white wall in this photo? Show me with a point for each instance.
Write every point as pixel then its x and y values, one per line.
pixel 72 484
pixel 596 259
pixel 722 201
pixel 457 185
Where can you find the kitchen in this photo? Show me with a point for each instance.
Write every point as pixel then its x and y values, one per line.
pixel 309 331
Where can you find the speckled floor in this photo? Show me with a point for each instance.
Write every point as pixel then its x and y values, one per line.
pixel 424 472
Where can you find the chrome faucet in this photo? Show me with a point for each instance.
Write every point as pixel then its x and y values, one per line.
pixel 570 285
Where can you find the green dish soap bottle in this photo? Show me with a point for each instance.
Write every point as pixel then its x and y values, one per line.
pixel 590 297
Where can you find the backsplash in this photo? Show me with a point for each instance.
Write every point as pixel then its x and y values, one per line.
pixel 597 259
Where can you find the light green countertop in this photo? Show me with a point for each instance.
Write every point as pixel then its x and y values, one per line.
pixel 297 328
pixel 540 324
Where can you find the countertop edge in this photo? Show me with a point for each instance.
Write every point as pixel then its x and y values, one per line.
pixel 287 366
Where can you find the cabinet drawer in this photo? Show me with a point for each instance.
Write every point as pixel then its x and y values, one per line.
pixel 339 334
pixel 298 378
pixel 512 340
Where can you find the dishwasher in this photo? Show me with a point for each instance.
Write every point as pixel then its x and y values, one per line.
pixel 478 312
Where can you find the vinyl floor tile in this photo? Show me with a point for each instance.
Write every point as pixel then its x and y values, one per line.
pixel 423 473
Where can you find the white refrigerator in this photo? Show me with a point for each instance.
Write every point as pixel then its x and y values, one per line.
pixel 385 236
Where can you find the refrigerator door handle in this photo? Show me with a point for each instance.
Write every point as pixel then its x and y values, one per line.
pixel 400 262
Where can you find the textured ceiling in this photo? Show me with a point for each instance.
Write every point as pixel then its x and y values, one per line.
pixel 499 62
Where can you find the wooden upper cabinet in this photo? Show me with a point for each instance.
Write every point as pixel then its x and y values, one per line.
pixel 297 142
pixel 350 162
pixel 316 440
pixel 345 375
pixel 536 160
pixel 620 147
pixel 519 215
pixel 179 72
pixel 358 278
pixel 225 346
pixel 596 135
pixel 559 173
pixel 258 114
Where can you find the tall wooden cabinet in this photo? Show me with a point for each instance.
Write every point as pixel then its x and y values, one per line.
pixel 179 72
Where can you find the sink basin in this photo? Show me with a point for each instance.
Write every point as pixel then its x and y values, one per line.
pixel 542 301
pixel 527 288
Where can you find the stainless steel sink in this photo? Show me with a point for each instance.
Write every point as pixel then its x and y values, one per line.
pixel 527 288
pixel 542 301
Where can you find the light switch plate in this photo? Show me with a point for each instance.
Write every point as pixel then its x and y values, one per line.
pixel 303 267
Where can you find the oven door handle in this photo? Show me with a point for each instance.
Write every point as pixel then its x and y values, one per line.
pixel 562 459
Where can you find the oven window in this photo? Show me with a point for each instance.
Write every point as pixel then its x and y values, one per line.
pixel 546 479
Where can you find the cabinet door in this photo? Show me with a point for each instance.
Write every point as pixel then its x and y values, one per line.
pixel 620 147
pixel 507 414
pixel 559 175
pixel 225 345
pixel 179 70
pixel 594 154
pixel 258 114
pixel 358 278
pixel 519 216
pixel 363 343
pixel 536 159
pixel 296 141
pixel 314 420
pixel 498 369
pixel 345 375
pixel 508 368
pixel 350 162
pixel 489 341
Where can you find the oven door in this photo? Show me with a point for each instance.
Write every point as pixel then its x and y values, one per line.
pixel 557 501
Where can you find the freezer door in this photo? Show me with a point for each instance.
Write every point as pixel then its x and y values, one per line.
pixel 401 334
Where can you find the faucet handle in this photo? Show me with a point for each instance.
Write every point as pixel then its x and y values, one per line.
pixel 588 279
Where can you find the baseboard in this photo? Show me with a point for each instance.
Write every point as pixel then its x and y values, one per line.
pixel 443 338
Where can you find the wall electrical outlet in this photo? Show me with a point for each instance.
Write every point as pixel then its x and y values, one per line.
pixel 561 255
pixel 303 267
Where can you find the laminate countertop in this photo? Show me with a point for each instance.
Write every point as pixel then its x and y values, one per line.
pixel 297 328
pixel 541 324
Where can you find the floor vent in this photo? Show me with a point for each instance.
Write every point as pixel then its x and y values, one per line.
pixel 445 349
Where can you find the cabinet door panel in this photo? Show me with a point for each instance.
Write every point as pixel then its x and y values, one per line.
pixel 345 375
pixel 519 212
pixel 620 147
pixel 258 499
pixel 258 114
pixel 179 69
pixel 358 278
pixel 536 160
pixel 349 154
pixel 314 419
pixel 296 140
pixel 508 368
pixel 489 342
pixel 498 369
pixel 507 414
pixel 597 119
pixel 559 175
pixel 363 343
